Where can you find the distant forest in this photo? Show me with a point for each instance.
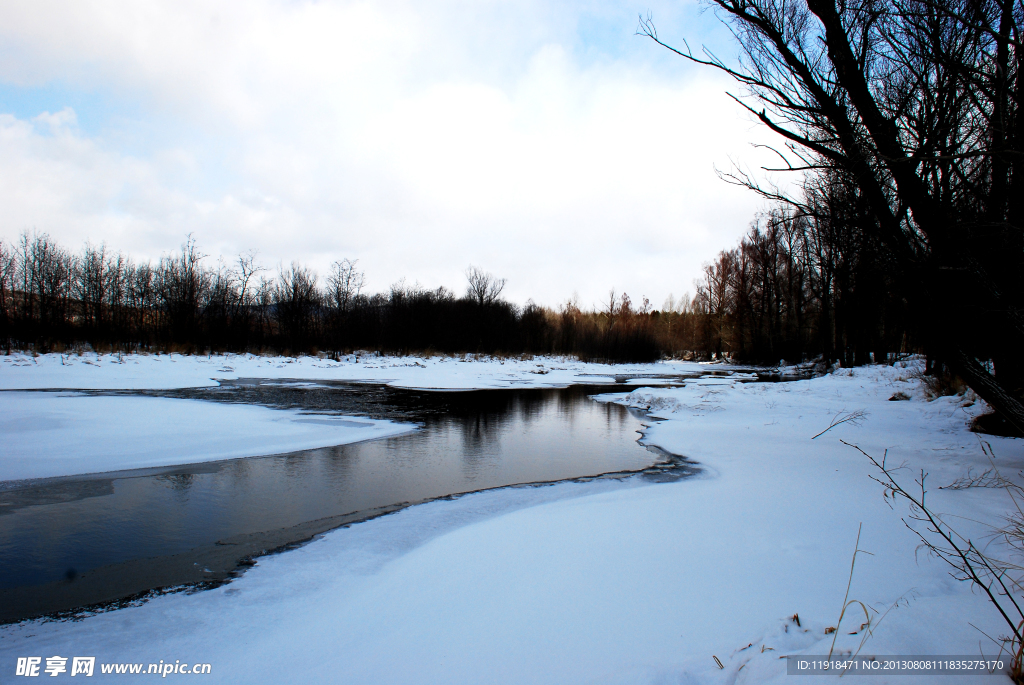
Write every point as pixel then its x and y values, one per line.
pixel 54 299
pixel 794 288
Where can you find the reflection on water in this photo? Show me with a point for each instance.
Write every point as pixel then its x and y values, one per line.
pixel 468 441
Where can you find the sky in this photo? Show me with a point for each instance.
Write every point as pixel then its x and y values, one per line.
pixel 542 141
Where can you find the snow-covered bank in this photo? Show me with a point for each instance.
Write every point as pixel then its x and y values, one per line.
pixel 613 582
pixel 164 371
pixel 49 434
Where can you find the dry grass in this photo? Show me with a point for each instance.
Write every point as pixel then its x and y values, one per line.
pixel 1001 580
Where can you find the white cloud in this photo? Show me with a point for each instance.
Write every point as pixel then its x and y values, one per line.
pixel 416 139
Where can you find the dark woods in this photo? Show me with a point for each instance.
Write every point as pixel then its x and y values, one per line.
pixel 795 288
pixel 904 116
pixel 53 299
pixel 798 286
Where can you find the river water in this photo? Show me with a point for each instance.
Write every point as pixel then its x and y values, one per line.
pixel 105 539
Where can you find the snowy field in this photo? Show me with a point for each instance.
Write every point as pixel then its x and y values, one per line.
pixel 138 372
pixel 600 582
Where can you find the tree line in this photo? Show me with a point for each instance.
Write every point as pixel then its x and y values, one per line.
pixel 53 299
pixel 798 285
pixel 795 288
pixel 903 119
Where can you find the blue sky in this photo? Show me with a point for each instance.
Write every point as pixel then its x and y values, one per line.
pixel 544 142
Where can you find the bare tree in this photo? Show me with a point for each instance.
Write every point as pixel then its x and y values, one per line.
pixel 240 297
pixel 183 285
pixel 612 308
pixel 8 264
pixel 91 284
pixel 141 298
pixel 247 268
pixel 297 300
pixel 917 104
pixel 483 287
pixel 713 296
pixel 345 283
pixel 47 275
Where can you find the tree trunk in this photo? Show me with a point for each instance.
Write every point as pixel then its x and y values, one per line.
pixel 985 384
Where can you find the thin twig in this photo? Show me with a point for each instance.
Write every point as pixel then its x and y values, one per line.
pixel 967 561
pixel 854 417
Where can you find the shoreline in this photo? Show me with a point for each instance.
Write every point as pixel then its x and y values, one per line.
pixel 133 582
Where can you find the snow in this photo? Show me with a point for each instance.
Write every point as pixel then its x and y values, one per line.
pixel 49 434
pixel 609 581
pixel 165 371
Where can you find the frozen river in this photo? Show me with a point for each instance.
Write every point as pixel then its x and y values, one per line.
pixel 81 540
